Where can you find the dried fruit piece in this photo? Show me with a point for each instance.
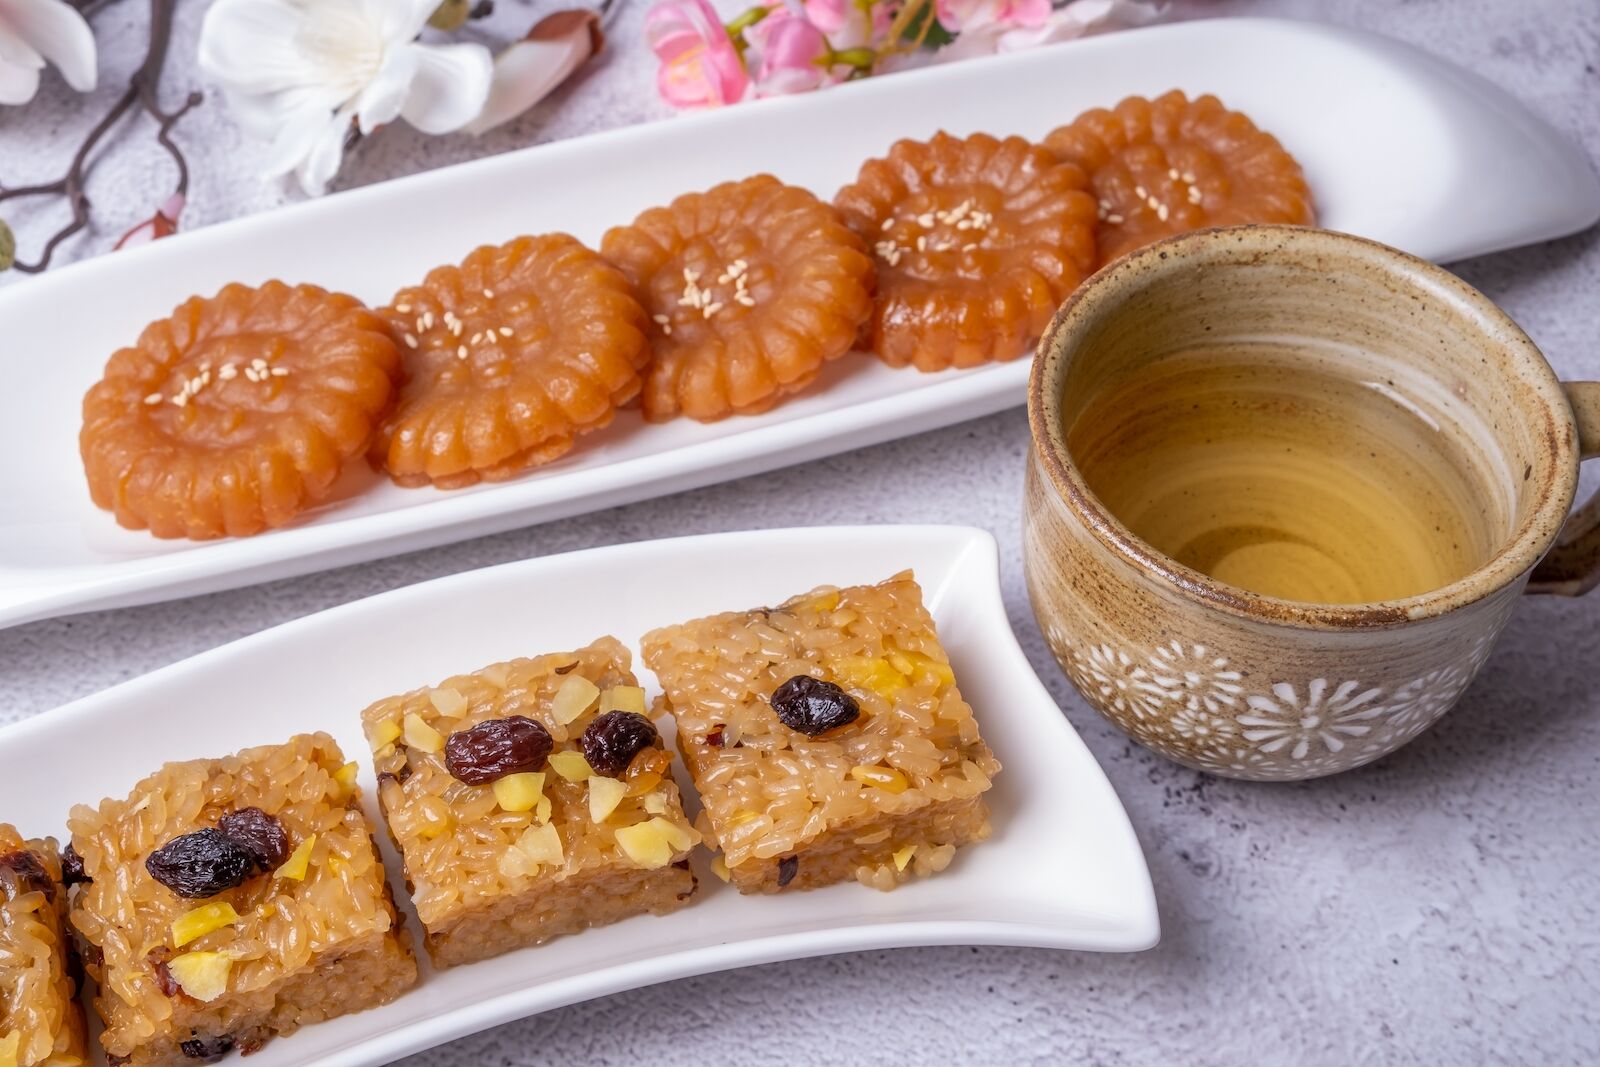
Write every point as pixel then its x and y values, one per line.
pixel 495 748
pixel 22 872
pixel 788 867
pixel 207 1049
pixel 238 412
pixel 813 706
pixel 612 740
pixel 1165 166
pixel 977 241
pixel 72 872
pixel 201 864
pixel 752 286
pixel 157 958
pixel 259 834
pixel 508 358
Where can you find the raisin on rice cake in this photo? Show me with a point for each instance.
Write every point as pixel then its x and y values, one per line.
pixel 41 1024
pixel 529 800
pixel 827 738
pixel 232 900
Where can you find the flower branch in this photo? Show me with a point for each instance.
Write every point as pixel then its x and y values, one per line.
pixel 140 97
pixel 788 46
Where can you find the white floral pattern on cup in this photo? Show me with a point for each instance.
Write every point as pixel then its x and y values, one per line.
pixel 1185 700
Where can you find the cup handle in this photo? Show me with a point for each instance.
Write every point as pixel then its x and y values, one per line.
pixel 1572 566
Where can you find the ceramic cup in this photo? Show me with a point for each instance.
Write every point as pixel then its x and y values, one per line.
pixel 1250 686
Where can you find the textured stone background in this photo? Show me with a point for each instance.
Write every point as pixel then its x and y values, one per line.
pixel 1438 907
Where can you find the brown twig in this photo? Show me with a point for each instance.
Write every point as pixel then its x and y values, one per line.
pixel 140 95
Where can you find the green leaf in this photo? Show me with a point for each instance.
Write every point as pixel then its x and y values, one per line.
pixel 8 247
pixel 937 36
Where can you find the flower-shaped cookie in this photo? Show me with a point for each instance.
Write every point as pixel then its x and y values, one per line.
pixel 508 357
pixel 978 240
pixel 1164 166
pixel 752 286
pixel 237 412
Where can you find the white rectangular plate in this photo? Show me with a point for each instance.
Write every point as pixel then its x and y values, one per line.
pixel 1063 869
pixel 1397 146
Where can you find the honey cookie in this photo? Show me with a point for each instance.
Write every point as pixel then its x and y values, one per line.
pixel 752 286
pixel 508 358
pixel 978 240
pixel 1165 166
pixel 237 412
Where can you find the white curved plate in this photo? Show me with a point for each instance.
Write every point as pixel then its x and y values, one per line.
pixel 1398 146
pixel 1063 869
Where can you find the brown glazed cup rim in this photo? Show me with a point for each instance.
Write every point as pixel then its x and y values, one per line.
pixel 1513 355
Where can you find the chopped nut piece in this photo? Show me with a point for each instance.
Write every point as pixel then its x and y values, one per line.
pixel 448 702
pixel 299 861
pixel 902 856
pixel 571 765
pixel 653 842
pixel 384 733
pixel 193 925
pixel 520 792
pixel 422 737
pixel 541 844
pixel 604 796
pixel 576 696
pixel 623 698
pixel 202 975
pixel 882 777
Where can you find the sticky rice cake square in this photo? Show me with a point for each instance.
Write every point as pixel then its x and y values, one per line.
pixel 41 1024
pixel 311 933
pixel 889 795
pixel 550 849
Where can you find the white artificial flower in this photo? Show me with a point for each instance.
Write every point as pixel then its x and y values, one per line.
pixel 530 69
pixel 298 72
pixel 34 32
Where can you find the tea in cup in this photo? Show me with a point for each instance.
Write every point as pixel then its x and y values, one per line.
pixel 1285 486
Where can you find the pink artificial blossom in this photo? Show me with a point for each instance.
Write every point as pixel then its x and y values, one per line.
pixel 164 223
pixel 700 67
pixel 829 16
pixel 959 15
pixel 985 33
pixel 850 23
pixel 787 53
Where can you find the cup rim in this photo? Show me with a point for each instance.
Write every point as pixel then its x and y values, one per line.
pixel 1517 358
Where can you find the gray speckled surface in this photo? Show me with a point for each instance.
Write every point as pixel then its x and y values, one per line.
pixel 1438 907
